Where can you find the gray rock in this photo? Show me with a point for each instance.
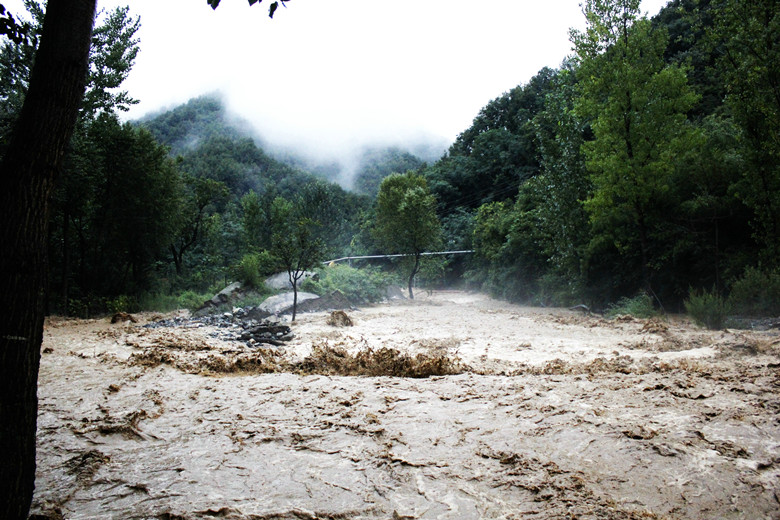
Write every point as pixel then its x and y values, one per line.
pixel 223 296
pixel 395 293
pixel 281 281
pixel 283 302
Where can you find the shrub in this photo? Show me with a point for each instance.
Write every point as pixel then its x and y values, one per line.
pixel 248 271
pixel 640 306
pixel 191 300
pixel 122 303
pixel 364 285
pixel 708 309
pixel 757 293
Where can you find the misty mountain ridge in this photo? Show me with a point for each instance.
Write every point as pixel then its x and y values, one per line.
pixel 199 120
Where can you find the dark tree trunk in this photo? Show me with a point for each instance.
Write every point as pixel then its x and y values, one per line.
pixel 294 276
pixel 415 268
pixel 295 300
pixel 177 259
pixel 27 174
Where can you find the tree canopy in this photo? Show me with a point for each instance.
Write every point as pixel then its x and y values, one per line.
pixel 406 220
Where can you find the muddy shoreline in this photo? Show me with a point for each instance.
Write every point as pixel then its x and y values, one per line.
pixel 551 415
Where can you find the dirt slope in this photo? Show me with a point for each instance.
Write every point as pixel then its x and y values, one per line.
pixel 549 414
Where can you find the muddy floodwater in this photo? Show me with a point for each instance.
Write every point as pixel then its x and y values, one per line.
pixel 530 414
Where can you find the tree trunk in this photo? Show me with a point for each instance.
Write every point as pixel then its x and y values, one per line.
pixel 412 275
pixel 27 174
pixel 177 259
pixel 295 300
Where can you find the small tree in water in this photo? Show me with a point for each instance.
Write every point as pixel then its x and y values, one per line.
pixel 295 241
pixel 406 221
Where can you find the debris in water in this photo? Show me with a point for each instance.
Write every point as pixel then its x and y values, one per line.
pixel 339 319
pixel 121 317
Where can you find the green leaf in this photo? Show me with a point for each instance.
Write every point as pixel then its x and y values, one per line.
pixel 272 9
pixel 213 3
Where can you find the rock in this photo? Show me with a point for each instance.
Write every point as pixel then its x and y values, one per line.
pixel 339 319
pixel 267 333
pixel 222 297
pixel 330 302
pixel 281 303
pixel 121 317
pixel 281 281
pixel 256 313
pixel 395 293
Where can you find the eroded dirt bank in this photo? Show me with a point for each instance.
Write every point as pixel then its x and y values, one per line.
pixel 552 415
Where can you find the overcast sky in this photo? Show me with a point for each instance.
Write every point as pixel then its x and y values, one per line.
pixel 330 74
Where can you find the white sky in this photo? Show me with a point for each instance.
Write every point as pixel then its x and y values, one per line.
pixel 329 74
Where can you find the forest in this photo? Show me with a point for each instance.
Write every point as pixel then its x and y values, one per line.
pixel 646 167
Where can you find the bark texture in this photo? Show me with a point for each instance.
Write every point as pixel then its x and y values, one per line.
pixel 27 174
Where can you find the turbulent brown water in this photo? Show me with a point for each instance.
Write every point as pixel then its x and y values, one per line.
pixel 545 414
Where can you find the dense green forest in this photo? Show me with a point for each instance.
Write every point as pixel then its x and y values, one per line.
pixel 646 165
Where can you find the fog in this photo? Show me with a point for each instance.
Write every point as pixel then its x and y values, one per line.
pixel 327 78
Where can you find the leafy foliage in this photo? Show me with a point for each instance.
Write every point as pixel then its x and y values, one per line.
pixel 747 39
pixel 365 285
pixel 406 221
pixel 638 108
pixel 106 228
pixel 296 240
pixel 639 306
pixel 10 28
pixel 708 308
pixel 757 292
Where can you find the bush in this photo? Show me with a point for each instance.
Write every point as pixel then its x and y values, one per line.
pixel 163 302
pixel 708 309
pixel 364 285
pixel 254 267
pixel 122 303
pixel 248 271
pixel 757 293
pixel 191 300
pixel 640 306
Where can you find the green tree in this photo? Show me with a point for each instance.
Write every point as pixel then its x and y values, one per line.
pixel 489 160
pixel 295 241
pixel 564 182
pixel 113 51
pixel 254 222
pixel 123 202
pixel 638 107
pixel 406 221
pixel 746 38
pixel 199 195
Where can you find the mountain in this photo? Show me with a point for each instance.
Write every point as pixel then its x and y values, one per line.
pixel 204 121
